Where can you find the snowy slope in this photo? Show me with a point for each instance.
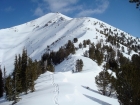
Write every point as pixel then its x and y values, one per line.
pixel 65 88
pixel 54 30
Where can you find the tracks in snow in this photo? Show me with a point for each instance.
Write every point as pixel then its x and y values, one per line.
pixel 56 90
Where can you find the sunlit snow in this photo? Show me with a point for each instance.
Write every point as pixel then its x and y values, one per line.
pixel 62 87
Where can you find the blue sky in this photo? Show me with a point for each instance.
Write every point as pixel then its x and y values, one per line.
pixel 118 13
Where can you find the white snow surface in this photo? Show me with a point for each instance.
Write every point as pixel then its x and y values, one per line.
pixel 62 87
pixel 66 88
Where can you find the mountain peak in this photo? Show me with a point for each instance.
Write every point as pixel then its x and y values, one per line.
pixel 54 30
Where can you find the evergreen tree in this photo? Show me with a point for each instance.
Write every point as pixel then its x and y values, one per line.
pixel 84 43
pixel 122 60
pixel 23 70
pixel 16 78
pixel 9 88
pixel 113 64
pixel 50 68
pixel 4 77
pixel 135 60
pixel 103 82
pixel 1 84
pixel 79 65
pixel 92 52
pixel 98 46
pixel 99 56
pixel 70 47
pixel 30 75
pixel 37 69
pixel 128 84
pixel 88 42
pixel 75 40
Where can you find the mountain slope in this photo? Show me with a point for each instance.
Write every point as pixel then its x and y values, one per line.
pixel 65 88
pixel 54 30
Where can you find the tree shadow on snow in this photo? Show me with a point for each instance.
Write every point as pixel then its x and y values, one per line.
pixel 91 89
pixel 97 100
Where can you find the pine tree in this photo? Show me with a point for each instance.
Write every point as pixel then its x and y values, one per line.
pixel 92 52
pixel 70 47
pixel 75 40
pixel 23 70
pixel 4 77
pixel 99 56
pixel 84 43
pixel 19 75
pixel 35 69
pixel 9 88
pixel 27 78
pixel 30 75
pixel 128 84
pixel 88 42
pixel 16 79
pixel 79 65
pixel 103 82
pixel 50 68
pixel 38 68
pixel 1 84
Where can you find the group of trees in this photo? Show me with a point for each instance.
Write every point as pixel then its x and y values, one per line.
pixel 126 84
pixel 23 76
pixel 100 53
pixel 25 72
pixel 97 55
pixel 58 56
pixel 84 44
pixel 130 43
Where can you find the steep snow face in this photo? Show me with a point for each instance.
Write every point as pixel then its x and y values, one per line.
pixel 53 30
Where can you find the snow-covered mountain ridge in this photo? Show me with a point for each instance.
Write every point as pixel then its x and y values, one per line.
pixel 53 30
